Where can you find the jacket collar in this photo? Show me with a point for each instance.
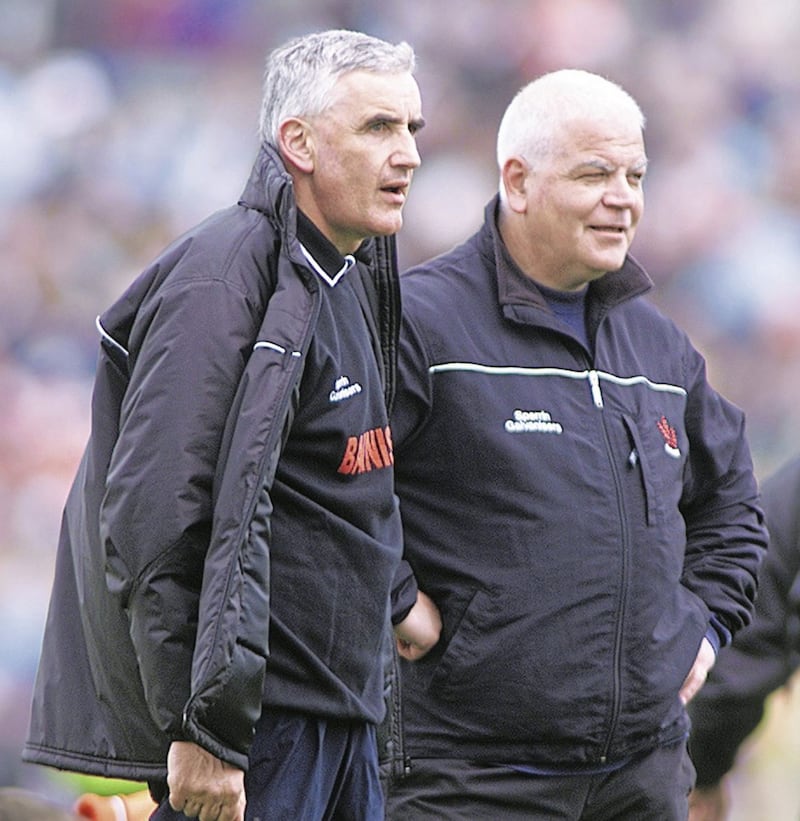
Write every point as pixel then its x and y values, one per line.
pixel 320 252
pixel 270 190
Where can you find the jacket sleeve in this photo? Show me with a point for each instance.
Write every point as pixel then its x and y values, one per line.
pixel 231 649
pixel 404 592
pixel 414 397
pixel 188 350
pixel 725 534
pixel 765 654
pixel 412 404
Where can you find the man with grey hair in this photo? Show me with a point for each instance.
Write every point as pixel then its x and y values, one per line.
pixel 219 620
pixel 581 520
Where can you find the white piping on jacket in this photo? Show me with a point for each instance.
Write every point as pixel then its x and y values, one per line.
pixel 349 262
pixel 594 376
pixel 274 346
pixel 107 336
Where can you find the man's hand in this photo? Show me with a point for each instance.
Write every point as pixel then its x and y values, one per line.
pixel 419 631
pixel 201 786
pixel 709 803
pixel 699 672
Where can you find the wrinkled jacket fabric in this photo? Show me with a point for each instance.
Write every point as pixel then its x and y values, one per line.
pixel 766 654
pixel 127 664
pixel 578 516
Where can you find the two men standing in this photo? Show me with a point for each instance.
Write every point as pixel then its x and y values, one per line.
pixel 581 528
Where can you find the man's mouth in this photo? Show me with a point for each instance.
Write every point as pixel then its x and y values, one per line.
pixel 397 188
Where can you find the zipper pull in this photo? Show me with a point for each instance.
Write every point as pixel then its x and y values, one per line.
pixel 597 396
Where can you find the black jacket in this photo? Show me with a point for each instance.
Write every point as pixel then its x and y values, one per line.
pixel 581 517
pixel 766 654
pixel 126 665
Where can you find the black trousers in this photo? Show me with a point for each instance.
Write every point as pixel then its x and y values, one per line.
pixel 304 768
pixel 652 787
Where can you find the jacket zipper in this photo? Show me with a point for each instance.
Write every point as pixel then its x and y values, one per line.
pixel 597 399
pixel 597 394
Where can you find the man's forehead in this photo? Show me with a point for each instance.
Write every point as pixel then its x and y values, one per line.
pixel 374 92
pixel 619 145
pixel 361 78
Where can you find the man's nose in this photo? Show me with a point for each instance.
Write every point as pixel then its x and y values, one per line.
pixel 407 153
pixel 621 192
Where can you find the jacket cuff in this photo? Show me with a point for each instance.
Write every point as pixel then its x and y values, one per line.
pixel 193 732
pixel 718 635
pixel 404 593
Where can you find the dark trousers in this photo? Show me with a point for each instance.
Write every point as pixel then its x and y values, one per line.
pixel 653 787
pixel 308 769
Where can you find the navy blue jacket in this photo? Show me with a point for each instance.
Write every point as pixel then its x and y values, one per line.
pixel 581 518
pixel 163 597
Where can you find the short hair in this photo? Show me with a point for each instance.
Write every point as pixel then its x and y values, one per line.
pixel 300 75
pixel 530 124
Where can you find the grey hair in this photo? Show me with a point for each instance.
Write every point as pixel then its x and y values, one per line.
pixel 529 127
pixel 300 74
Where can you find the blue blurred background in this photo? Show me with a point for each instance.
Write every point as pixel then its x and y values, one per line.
pixel 123 122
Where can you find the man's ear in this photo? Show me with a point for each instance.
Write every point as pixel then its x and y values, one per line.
pixel 296 144
pixel 515 180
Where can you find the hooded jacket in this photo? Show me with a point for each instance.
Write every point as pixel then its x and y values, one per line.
pixel 580 517
pixel 158 626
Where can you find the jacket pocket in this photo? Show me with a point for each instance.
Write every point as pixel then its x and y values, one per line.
pixel 462 661
pixel 659 455
pixel 676 640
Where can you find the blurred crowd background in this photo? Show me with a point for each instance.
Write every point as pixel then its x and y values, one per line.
pixel 123 122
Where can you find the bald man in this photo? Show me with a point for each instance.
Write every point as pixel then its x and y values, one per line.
pixel 582 526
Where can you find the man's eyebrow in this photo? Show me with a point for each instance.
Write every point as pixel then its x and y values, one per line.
pixel 414 124
pixel 598 165
pixel 602 165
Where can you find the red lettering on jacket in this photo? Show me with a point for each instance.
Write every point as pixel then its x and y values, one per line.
pixel 372 449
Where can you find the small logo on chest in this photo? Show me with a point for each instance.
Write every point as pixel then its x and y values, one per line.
pixel 670 437
pixel 532 421
pixel 343 388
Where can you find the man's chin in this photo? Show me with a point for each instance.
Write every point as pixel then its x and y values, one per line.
pixel 611 262
pixel 387 228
